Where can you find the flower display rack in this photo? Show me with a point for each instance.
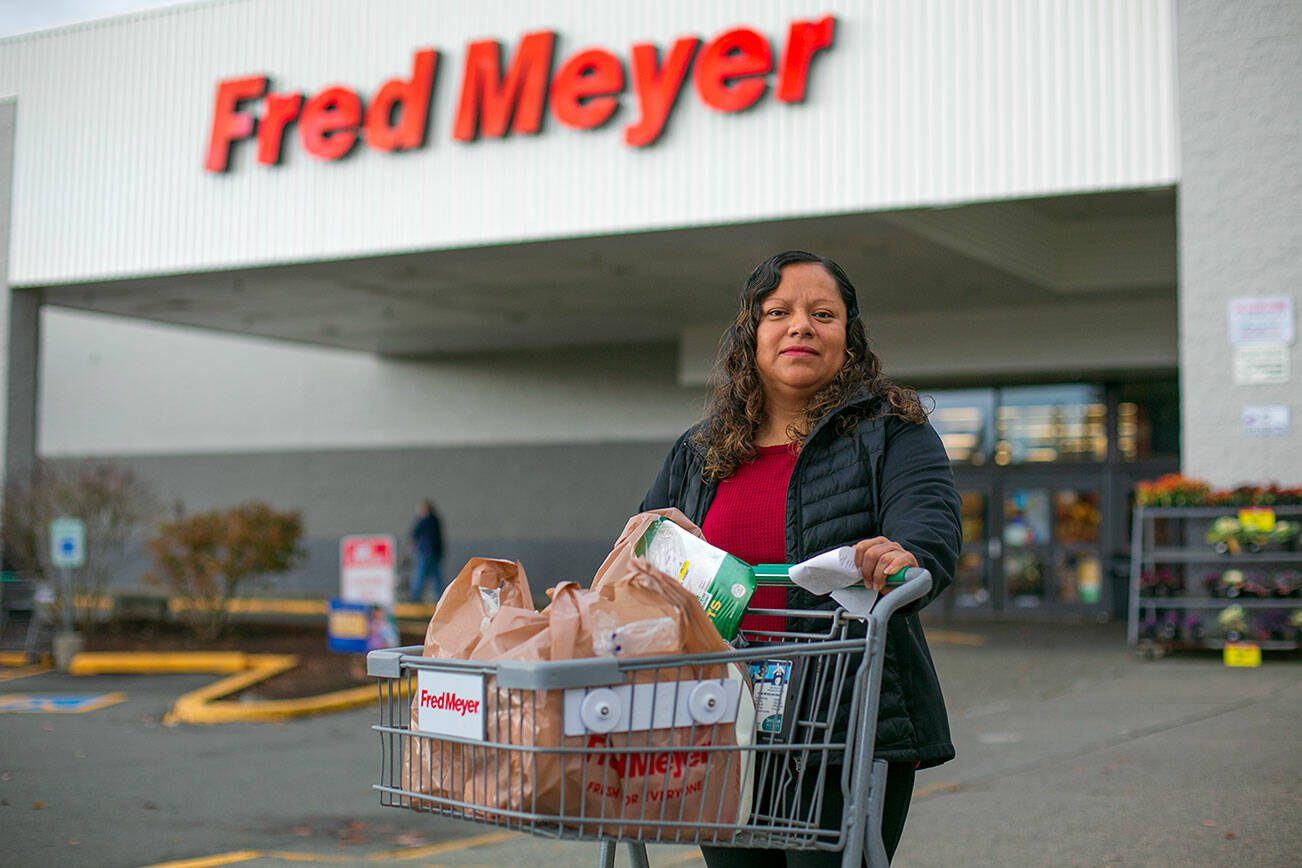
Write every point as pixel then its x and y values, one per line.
pixel 1201 576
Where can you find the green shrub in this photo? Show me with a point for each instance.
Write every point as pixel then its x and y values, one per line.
pixel 207 558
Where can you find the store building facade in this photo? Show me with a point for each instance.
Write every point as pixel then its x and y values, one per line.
pixel 343 257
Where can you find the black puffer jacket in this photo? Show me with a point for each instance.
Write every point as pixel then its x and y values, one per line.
pixel 890 478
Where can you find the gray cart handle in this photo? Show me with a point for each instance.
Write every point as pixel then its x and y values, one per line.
pixel 917 584
pixel 904 587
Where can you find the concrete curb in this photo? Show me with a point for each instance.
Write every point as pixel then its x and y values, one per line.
pixel 260 606
pixel 21 658
pixel 203 706
pixel 159 662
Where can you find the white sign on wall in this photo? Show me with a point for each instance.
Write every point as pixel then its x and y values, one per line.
pixel 1262 319
pixel 1261 364
pixel 1266 420
pixel 366 569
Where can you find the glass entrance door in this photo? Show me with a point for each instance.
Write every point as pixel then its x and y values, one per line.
pixel 1078 562
pixel 1045 472
pixel 1026 537
pixel 972 587
pixel 1051 541
pixel 1033 540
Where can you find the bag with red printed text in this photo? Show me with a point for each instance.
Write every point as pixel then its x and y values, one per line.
pixel 631 774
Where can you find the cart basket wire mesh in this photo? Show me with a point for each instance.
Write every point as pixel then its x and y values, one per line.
pixel 734 748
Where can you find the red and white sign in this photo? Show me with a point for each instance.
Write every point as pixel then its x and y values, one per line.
pixel 498 96
pixel 450 703
pixel 366 569
pixel 1265 319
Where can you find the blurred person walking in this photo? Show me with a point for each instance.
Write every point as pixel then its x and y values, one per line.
pixel 426 540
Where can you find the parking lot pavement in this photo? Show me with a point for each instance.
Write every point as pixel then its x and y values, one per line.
pixel 1074 752
pixel 1071 751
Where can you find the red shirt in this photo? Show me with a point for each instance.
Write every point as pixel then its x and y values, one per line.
pixel 748 519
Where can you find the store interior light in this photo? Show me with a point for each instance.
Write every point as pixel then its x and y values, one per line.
pixel 959 417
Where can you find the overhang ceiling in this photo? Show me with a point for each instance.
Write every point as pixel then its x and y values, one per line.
pixel 648 287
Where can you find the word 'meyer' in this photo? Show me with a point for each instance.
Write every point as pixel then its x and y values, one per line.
pixel 449 704
pixel 449 701
pixel 729 74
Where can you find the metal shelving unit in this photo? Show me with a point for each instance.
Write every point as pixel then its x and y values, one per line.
pixel 1183 548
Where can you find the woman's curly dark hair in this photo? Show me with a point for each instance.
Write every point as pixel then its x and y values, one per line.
pixel 735 410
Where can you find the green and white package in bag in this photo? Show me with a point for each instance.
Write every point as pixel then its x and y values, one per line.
pixel 721 582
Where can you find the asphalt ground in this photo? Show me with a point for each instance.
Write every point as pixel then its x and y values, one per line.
pixel 1072 751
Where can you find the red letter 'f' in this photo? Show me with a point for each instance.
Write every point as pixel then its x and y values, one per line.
pixel 228 124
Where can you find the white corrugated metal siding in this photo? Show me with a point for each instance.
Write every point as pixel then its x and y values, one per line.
pixel 919 102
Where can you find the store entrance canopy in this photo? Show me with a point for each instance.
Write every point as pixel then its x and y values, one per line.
pixel 649 287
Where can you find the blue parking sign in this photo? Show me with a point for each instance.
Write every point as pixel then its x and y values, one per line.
pixel 67 543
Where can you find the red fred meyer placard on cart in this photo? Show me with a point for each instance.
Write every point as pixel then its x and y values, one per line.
pixel 366 569
pixel 450 703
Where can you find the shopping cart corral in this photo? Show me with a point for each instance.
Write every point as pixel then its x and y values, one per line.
pixel 729 749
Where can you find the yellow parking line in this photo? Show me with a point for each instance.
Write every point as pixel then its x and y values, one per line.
pixel 444 847
pixel 952 637
pixel 24 672
pixel 422 852
pixel 211 861
pixel 932 789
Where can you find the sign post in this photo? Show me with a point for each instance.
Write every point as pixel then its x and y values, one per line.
pixel 361 618
pixel 67 553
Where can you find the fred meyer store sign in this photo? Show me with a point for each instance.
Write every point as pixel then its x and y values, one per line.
pixel 730 73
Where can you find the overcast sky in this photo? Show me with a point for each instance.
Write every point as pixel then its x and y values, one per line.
pixel 22 16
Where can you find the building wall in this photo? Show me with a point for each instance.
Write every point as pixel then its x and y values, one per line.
pixel 117 387
pixel 1239 223
pixel 538 456
pixel 916 103
pixel 555 508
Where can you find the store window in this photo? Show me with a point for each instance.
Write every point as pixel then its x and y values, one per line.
pixel 1148 420
pixel 1041 424
pixel 964 419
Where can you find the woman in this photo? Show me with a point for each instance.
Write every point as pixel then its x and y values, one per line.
pixel 805 447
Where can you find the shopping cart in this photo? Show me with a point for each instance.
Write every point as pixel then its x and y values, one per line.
pixel 814 687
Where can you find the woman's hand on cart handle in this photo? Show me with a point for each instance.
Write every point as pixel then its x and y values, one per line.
pixel 879 558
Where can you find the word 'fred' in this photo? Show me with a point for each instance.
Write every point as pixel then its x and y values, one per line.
pixel 449 701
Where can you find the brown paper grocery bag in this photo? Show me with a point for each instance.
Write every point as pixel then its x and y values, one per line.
pixel 463 613
pixel 622 554
pixel 638 611
pixel 467 615
pixel 700 786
